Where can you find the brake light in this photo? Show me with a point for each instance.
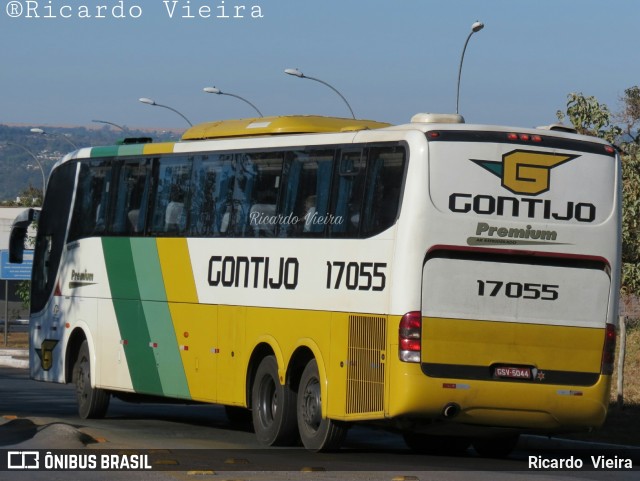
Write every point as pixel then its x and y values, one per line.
pixel 409 337
pixel 609 350
pixel 523 137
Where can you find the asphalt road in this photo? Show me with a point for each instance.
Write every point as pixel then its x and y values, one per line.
pixel 197 440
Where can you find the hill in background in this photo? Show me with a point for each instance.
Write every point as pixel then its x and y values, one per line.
pixel 18 168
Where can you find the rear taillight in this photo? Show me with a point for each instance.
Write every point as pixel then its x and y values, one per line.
pixel 609 350
pixel 409 337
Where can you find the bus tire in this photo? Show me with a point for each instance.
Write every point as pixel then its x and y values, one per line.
pixel 273 407
pixel 92 402
pixel 438 445
pixel 499 447
pixel 317 433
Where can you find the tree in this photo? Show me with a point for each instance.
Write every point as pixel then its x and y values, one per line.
pixel 629 117
pixel 590 117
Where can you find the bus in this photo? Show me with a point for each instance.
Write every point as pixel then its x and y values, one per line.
pixel 457 283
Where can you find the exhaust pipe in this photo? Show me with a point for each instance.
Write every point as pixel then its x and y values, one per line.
pixel 450 410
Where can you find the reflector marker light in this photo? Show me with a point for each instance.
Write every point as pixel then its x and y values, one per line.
pixel 608 350
pixel 153 344
pixel 184 348
pixel 566 392
pixel 452 385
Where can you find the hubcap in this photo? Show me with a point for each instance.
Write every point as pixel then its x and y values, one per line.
pixel 312 405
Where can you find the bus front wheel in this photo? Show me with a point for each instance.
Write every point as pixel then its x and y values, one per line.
pixel 273 406
pixel 92 402
pixel 317 433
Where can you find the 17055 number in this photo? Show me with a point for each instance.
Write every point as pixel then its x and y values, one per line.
pixel 519 290
pixel 363 276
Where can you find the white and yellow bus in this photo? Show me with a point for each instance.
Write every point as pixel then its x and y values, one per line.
pixel 458 282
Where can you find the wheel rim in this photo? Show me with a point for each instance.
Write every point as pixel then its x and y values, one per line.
pixel 268 406
pixel 312 405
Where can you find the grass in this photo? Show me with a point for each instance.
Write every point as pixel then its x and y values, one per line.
pixel 18 340
pixel 623 422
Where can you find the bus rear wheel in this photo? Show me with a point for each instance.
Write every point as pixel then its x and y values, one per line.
pixel 92 402
pixel 273 406
pixel 317 433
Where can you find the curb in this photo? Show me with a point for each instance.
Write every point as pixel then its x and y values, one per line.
pixel 18 358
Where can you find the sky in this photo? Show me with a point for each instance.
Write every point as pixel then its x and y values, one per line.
pixel 390 59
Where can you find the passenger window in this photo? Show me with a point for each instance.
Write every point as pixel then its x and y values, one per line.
pixel 169 214
pixel 92 200
pixel 384 181
pixel 131 197
pixel 348 194
pixel 306 197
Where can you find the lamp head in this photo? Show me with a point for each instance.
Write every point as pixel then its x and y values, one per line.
pixel 294 71
pixel 212 90
pixel 477 26
pixel 147 101
pixel 36 130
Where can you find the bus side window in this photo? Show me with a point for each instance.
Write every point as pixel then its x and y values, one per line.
pixel 382 196
pixel 131 198
pixel 263 196
pixel 348 193
pixel 306 194
pixel 92 199
pixel 169 215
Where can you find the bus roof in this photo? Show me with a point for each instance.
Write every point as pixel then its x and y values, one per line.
pixel 291 124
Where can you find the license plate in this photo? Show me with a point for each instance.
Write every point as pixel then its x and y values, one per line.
pixel 513 372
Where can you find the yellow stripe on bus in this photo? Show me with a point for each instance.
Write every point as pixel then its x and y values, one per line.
pixel 176 270
pixel 162 148
pixel 483 343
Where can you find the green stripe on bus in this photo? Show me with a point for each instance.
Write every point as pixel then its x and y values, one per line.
pixel 158 318
pixel 138 348
pixel 147 269
pixel 132 149
pixel 107 151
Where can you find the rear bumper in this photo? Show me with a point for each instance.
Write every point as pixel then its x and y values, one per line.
pixel 498 404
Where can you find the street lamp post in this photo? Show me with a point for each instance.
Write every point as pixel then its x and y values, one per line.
pixel 36 130
pixel 148 101
pixel 110 123
pixel 217 91
pixel 33 156
pixel 476 27
pixel 297 73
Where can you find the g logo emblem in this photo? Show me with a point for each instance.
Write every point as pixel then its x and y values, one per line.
pixel 525 172
pixel 45 353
